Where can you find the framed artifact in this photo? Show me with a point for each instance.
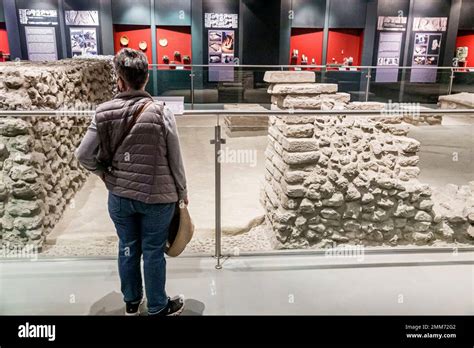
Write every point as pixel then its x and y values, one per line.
pixel 163 42
pixel 38 17
pixel 392 23
pixel 221 20
pixel 83 41
pixel 228 42
pixel 143 45
pixel 430 23
pixel 124 40
pixel 84 18
pixel 434 44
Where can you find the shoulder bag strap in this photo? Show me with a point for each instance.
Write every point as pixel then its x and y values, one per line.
pixel 135 118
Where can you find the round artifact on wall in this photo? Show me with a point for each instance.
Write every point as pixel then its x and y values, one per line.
pixel 163 42
pixel 124 40
pixel 143 45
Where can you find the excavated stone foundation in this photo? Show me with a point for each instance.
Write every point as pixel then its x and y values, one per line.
pixel 346 179
pixel 39 174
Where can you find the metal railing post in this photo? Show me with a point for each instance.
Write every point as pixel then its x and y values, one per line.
pixel 451 81
pixel 192 88
pixel 217 142
pixel 367 87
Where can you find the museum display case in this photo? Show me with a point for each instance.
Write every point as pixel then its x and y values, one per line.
pixel 307 42
pixel 174 44
pixel 344 48
pixel 133 36
pixel 4 47
pixel 464 47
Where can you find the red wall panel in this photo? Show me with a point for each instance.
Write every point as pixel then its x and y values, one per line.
pixel 345 43
pixel 308 42
pixel 466 38
pixel 179 39
pixel 4 39
pixel 135 34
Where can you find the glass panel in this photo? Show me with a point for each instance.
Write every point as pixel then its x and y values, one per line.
pixel 195 133
pixel 243 174
pixel 348 79
pixel 51 207
pixel 347 182
pixel 424 85
pixel 172 81
pixel 463 80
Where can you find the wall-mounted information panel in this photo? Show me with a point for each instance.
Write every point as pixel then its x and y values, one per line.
pixel 39 29
pixel 427 47
pixel 221 36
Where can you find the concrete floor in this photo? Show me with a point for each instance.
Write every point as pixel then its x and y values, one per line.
pixel 88 220
pixel 447 151
pixel 397 284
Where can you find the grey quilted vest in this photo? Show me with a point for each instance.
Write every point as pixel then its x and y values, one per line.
pixel 140 168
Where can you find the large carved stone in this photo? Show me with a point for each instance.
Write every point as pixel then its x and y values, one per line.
pixel 289 77
pixel 302 88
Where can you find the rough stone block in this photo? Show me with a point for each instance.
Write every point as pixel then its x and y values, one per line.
pixel 305 88
pixel 299 145
pixel 298 131
pixel 462 100
pixel 289 77
pixel 300 157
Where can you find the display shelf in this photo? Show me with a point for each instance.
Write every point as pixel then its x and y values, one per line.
pixel 4 48
pixel 344 43
pixel 466 39
pixel 308 42
pixel 171 40
pixel 135 35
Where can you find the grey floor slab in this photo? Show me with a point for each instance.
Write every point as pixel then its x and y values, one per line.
pixel 412 284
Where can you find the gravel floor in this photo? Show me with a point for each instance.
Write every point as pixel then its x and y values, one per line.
pixel 255 240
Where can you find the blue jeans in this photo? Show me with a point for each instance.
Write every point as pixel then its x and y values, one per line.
pixel 142 230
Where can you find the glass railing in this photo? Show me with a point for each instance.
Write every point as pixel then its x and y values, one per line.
pixel 286 193
pixel 212 86
pixel 260 181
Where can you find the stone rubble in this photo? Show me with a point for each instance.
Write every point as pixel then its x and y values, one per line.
pixel 346 179
pixel 77 84
pixel 39 174
pixel 457 101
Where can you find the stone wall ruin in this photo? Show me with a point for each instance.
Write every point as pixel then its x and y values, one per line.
pixel 347 179
pixel 39 174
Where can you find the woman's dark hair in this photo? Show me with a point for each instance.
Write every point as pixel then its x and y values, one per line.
pixel 132 66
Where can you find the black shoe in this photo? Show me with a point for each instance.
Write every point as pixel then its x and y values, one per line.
pixel 133 309
pixel 174 308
